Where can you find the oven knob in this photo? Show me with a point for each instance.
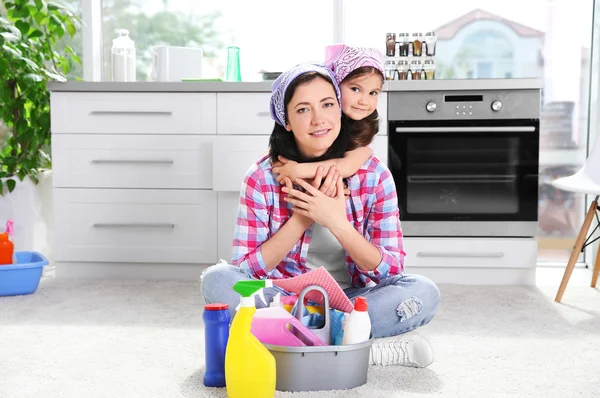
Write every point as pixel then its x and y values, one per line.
pixel 431 106
pixel 496 106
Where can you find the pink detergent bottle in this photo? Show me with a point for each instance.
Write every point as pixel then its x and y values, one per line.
pixel 276 326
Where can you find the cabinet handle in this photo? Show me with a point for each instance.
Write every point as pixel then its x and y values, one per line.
pixel 134 225
pixel 262 114
pixel 132 113
pixel 132 161
pixel 465 255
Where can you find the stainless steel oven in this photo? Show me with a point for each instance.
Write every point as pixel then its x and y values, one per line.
pixel 465 163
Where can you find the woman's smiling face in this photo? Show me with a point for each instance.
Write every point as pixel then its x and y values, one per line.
pixel 313 116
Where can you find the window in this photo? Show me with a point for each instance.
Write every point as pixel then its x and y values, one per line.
pixel 75 42
pixel 268 37
pixel 515 39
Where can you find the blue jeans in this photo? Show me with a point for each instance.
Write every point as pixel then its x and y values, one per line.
pixel 396 305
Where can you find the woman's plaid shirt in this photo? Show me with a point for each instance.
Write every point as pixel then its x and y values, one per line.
pixel 372 208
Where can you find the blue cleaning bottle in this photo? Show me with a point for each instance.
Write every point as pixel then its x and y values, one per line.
pixel 216 324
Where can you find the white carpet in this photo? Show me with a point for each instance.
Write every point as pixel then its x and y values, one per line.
pixel 145 339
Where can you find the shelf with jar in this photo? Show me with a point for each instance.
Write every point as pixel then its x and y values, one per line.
pixel 410 57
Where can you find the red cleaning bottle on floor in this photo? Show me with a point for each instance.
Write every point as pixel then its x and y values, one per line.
pixel 6 246
pixel 6 249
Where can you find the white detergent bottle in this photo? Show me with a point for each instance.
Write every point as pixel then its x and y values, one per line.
pixel 357 328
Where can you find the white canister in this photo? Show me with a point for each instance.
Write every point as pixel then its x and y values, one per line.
pixel 123 58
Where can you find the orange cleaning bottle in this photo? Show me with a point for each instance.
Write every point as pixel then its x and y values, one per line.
pixel 6 249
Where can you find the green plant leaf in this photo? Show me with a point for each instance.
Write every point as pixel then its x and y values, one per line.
pixel 22 26
pixel 39 4
pixel 10 36
pixel 52 6
pixel 35 34
pixel 14 51
pixel 11 184
pixel 72 29
pixel 57 25
pixel 34 77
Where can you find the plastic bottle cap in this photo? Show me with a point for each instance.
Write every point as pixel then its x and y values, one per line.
pixel 215 307
pixel 360 304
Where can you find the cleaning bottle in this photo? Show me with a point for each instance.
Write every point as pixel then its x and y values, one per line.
pixel 7 248
pixel 216 321
pixel 249 366
pixel 357 328
pixel 275 325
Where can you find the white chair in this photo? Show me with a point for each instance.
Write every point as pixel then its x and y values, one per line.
pixel 586 181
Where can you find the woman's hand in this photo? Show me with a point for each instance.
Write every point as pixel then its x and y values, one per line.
pixel 286 168
pixel 318 207
pixel 328 187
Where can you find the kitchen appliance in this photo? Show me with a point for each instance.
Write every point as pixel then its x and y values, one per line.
pixel 171 64
pixel 465 163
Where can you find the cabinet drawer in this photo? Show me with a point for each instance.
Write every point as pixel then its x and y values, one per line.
pixel 233 156
pixel 129 225
pixel 134 113
pixel 244 114
pixel 470 253
pixel 132 161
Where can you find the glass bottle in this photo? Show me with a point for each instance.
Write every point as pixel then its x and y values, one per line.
pixel 429 68
pixel 430 40
pixel 415 70
pixel 122 58
pixel 390 70
pixel 403 44
pixel 403 68
pixel 233 73
pixel 417 41
pixel 390 44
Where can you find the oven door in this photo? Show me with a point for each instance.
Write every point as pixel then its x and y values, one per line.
pixel 466 178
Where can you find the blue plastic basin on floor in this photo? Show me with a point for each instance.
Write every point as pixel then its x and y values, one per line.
pixel 24 276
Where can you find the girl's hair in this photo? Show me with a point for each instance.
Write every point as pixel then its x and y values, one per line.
pixel 282 142
pixel 361 131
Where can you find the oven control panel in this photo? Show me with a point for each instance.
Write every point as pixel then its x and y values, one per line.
pixel 492 104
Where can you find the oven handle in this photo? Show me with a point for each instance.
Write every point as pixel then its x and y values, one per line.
pixel 461 255
pixel 489 129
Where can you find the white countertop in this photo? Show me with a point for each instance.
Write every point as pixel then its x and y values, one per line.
pixel 241 87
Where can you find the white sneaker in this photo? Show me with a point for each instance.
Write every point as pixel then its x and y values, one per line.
pixel 412 351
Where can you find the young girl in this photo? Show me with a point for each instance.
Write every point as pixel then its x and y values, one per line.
pixel 360 75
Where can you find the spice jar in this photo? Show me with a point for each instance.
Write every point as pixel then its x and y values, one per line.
pixel 430 40
pixel 415 70
pixel 403 44
pixel 403 68
pixel 417 44
pixel 429 68
pixel 390 70
pixel 390 44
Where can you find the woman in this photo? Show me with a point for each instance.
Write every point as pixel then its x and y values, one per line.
pixel 284 231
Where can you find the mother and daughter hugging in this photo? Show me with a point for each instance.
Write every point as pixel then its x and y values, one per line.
pixel 321 198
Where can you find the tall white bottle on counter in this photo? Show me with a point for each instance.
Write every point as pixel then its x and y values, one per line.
pixel 123 58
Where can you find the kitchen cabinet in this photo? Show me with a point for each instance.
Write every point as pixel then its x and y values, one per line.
pixel 146 185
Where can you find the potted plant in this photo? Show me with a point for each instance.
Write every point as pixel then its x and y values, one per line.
pixel 29 59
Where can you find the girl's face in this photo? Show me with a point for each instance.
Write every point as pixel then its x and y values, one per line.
pixel 313 116
pixel 360 95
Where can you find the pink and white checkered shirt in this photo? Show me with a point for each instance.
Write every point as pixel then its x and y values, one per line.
pixel 372 208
